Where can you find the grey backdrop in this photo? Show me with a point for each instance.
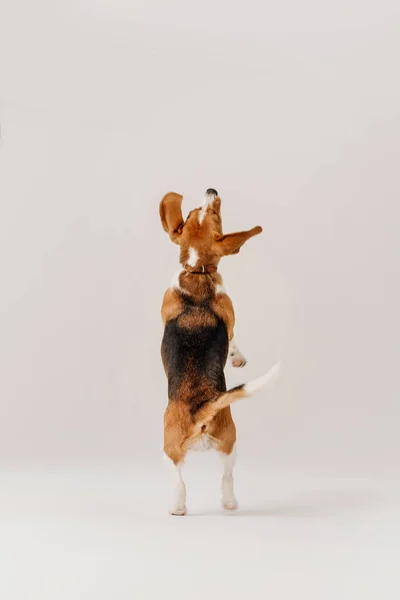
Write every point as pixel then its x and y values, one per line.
pixel 291 111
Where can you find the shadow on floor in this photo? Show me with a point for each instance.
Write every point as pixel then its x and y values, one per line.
pixel 318 503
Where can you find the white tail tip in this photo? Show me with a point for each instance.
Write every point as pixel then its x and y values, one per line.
pixel 269 378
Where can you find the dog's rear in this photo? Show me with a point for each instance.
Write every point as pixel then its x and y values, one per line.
pixel 199 319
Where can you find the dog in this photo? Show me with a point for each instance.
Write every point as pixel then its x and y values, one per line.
pixel 199 320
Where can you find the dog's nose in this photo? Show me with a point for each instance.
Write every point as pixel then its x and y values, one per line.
pixel 211 192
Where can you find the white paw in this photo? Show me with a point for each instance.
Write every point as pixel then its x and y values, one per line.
pixel 237 359
pixel 178 511
pixel 230 504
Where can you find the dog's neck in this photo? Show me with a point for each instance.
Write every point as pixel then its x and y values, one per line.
pixel 197 285
pixel 200 269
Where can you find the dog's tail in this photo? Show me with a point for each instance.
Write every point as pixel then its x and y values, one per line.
pixel 211 407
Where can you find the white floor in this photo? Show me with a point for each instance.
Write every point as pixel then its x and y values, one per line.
pixel 104 534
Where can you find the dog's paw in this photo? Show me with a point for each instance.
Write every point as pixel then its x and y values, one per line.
pixel 230 504
pixel 238 360
pixel 178 511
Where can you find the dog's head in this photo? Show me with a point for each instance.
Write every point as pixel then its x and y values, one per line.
pixel 200 237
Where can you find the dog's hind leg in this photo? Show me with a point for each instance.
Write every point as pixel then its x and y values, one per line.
pixel 222 430
pixel 178 507
pixel 228 498
pixel 177 423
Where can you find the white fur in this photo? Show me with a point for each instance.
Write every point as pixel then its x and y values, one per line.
pixel 179 502
pixel 193 257
pixel 202 214
pixel 175 281
pixel 269 378
pixel 233 349
pixel 201 443
pixel 228 495
pixel 220 289
pixel 235 356
pixel 208 199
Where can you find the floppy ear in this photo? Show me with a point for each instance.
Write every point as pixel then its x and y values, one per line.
pixel 232 242
pixel 171 215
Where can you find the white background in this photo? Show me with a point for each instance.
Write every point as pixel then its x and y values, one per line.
pixel 291 111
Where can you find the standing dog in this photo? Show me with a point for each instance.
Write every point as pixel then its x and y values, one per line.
pixel 199 318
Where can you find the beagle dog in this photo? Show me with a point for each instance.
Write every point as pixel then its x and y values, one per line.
pixel 198 317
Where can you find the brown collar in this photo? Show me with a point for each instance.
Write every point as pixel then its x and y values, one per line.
pixel 201 270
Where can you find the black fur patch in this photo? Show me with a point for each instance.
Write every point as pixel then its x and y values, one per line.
pixel 194 358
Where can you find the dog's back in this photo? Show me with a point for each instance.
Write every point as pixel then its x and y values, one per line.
pixel 194 352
